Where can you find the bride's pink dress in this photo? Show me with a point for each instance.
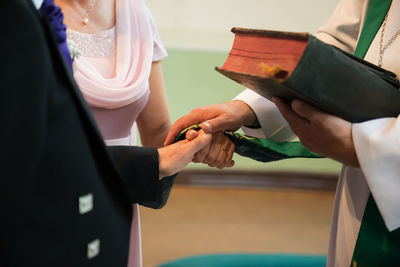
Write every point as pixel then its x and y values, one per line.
pixel 112 73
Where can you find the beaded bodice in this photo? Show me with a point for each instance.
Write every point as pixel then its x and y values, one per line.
pixel 100 44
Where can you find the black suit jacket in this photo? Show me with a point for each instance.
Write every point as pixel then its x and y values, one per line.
pixel 54 162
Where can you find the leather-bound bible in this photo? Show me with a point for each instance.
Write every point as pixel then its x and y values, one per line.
pixel 298 66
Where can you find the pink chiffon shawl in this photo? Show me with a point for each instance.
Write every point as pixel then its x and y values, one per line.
pixel 134 54
pixel 117 88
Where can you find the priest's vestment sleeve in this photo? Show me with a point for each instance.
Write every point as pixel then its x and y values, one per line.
pixel 344 26
pixel 273 125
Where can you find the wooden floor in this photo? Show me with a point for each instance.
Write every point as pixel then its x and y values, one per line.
pixel 199 220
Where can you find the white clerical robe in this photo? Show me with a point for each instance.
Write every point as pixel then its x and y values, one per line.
pixel 377 142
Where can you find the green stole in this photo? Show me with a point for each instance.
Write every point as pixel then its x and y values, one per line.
pixel 375 245
pixel 260 149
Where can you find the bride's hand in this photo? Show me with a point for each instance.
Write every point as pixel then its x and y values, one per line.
pixel 174 158
pixel 218 153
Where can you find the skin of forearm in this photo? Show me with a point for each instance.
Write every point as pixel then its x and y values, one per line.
pixel 154 136
pixel 154 121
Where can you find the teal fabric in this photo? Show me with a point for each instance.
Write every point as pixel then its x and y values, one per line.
pixel 250 260
pixel 259 149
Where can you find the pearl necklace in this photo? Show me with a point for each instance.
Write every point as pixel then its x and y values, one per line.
pixel 85 18
pixel 86 12
pixel 382 48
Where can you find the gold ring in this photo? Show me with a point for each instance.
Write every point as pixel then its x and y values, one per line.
pixel 224 149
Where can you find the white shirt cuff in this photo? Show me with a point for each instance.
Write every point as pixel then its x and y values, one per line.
pixel 273 125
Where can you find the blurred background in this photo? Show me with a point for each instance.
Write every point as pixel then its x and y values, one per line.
pixel 281 207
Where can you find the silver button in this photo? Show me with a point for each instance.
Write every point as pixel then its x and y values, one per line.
pixel 85 203
pixel 93 249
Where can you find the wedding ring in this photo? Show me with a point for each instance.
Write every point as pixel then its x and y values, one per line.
pixel 224 149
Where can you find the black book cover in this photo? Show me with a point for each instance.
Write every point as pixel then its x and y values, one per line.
pixel 298 65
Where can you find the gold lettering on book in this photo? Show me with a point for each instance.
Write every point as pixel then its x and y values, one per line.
pixel 274 70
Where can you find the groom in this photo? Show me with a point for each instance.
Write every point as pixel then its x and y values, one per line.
pixel 65 200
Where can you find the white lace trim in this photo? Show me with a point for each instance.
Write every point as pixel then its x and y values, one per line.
pixel 100 44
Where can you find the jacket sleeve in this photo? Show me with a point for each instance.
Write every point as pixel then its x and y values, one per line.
pixel 139 167
pixel 23 110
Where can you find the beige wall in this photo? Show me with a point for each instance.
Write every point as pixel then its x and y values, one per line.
pixel 206 24
pixel 197 34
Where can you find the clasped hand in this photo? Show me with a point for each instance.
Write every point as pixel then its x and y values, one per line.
pixel 320 132
pixel 215 119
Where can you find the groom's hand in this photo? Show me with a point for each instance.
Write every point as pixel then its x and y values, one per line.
pixel 218 153
pixel 174 158
pixel 215 118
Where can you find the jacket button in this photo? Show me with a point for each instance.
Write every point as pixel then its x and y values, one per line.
pixel 93 249
pixel 85 203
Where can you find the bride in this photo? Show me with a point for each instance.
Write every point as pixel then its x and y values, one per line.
pixel 120 75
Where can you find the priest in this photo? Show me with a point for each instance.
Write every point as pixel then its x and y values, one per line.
pixel 366 217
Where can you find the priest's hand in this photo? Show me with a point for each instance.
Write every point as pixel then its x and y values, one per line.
pixel 215 118
pixel 218 153
pixel 320 132
pixel 174 158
